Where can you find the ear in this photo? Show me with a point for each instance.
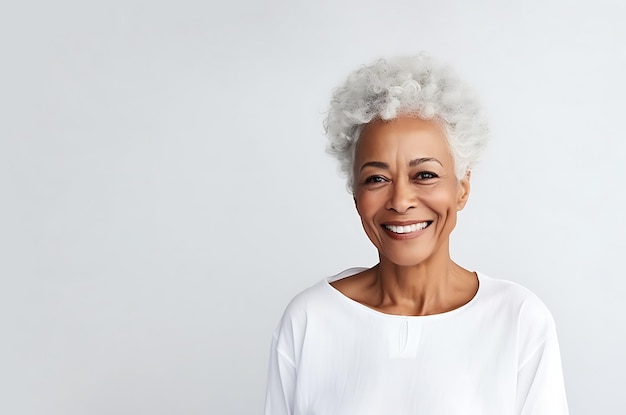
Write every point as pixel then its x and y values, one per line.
pixel 464 191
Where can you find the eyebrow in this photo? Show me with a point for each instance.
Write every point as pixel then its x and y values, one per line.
pixel 415 162
pixel 412 163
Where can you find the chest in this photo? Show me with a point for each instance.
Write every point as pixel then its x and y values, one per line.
pixel 407 366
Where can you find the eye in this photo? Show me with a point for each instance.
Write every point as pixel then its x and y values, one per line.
pixel 425 175
pixel 375 180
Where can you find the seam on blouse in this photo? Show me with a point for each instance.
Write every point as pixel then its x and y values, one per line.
pixel 530 356
pixel 284 356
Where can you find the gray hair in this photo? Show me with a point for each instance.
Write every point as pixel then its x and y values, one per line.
pixel 416 86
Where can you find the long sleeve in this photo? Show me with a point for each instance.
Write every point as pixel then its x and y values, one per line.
pixel 540 385
pixel 280 383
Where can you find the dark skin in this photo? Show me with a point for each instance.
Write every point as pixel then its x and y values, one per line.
pixel 408 196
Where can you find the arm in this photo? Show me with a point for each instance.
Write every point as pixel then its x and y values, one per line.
pixel 540 386
pixel 281 382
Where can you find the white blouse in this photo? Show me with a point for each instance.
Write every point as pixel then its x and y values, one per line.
pixel 496 355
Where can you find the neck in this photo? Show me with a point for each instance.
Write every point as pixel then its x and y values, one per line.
pixel 433 286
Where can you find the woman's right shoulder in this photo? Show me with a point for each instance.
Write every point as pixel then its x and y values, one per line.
pixel 320 297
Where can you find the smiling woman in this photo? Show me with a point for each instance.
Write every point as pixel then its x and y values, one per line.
pixel 417 333
pixel 404 176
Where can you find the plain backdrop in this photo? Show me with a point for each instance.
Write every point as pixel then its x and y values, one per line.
pixel 164 189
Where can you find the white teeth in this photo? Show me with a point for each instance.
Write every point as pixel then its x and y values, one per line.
pixel 408 228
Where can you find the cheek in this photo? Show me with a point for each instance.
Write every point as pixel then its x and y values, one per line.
pixel 364 205
pixel 444 202
pixel 438 200
pixel 366 213
pixel 367 207
pixel 446 206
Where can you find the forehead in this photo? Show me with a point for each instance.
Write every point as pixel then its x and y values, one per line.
pixel 402 138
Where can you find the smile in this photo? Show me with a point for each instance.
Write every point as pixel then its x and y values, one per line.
pixel 408 228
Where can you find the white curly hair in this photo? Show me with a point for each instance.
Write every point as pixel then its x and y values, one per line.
pixel 406 86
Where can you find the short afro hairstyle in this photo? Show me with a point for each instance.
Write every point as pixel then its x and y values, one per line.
pixel 416 86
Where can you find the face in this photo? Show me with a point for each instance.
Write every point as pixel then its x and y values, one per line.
pixel 406 191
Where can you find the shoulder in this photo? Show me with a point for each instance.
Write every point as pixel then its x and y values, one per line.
pixel 319 296
pixel 313 310
pixel 531 315
pixel 510 293
pixel 319 299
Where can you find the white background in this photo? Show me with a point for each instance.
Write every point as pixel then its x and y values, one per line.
pixel 165 191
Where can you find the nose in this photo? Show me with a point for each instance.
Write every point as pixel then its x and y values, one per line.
pixel 402 197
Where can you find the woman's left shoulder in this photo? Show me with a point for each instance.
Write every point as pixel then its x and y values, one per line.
pixel 511 295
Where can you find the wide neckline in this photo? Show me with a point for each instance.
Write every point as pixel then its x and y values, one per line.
pixel 359 306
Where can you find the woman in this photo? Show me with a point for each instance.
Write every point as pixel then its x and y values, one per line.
pixel 417 333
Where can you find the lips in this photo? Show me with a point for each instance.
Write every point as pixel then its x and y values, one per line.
pixel 407 228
